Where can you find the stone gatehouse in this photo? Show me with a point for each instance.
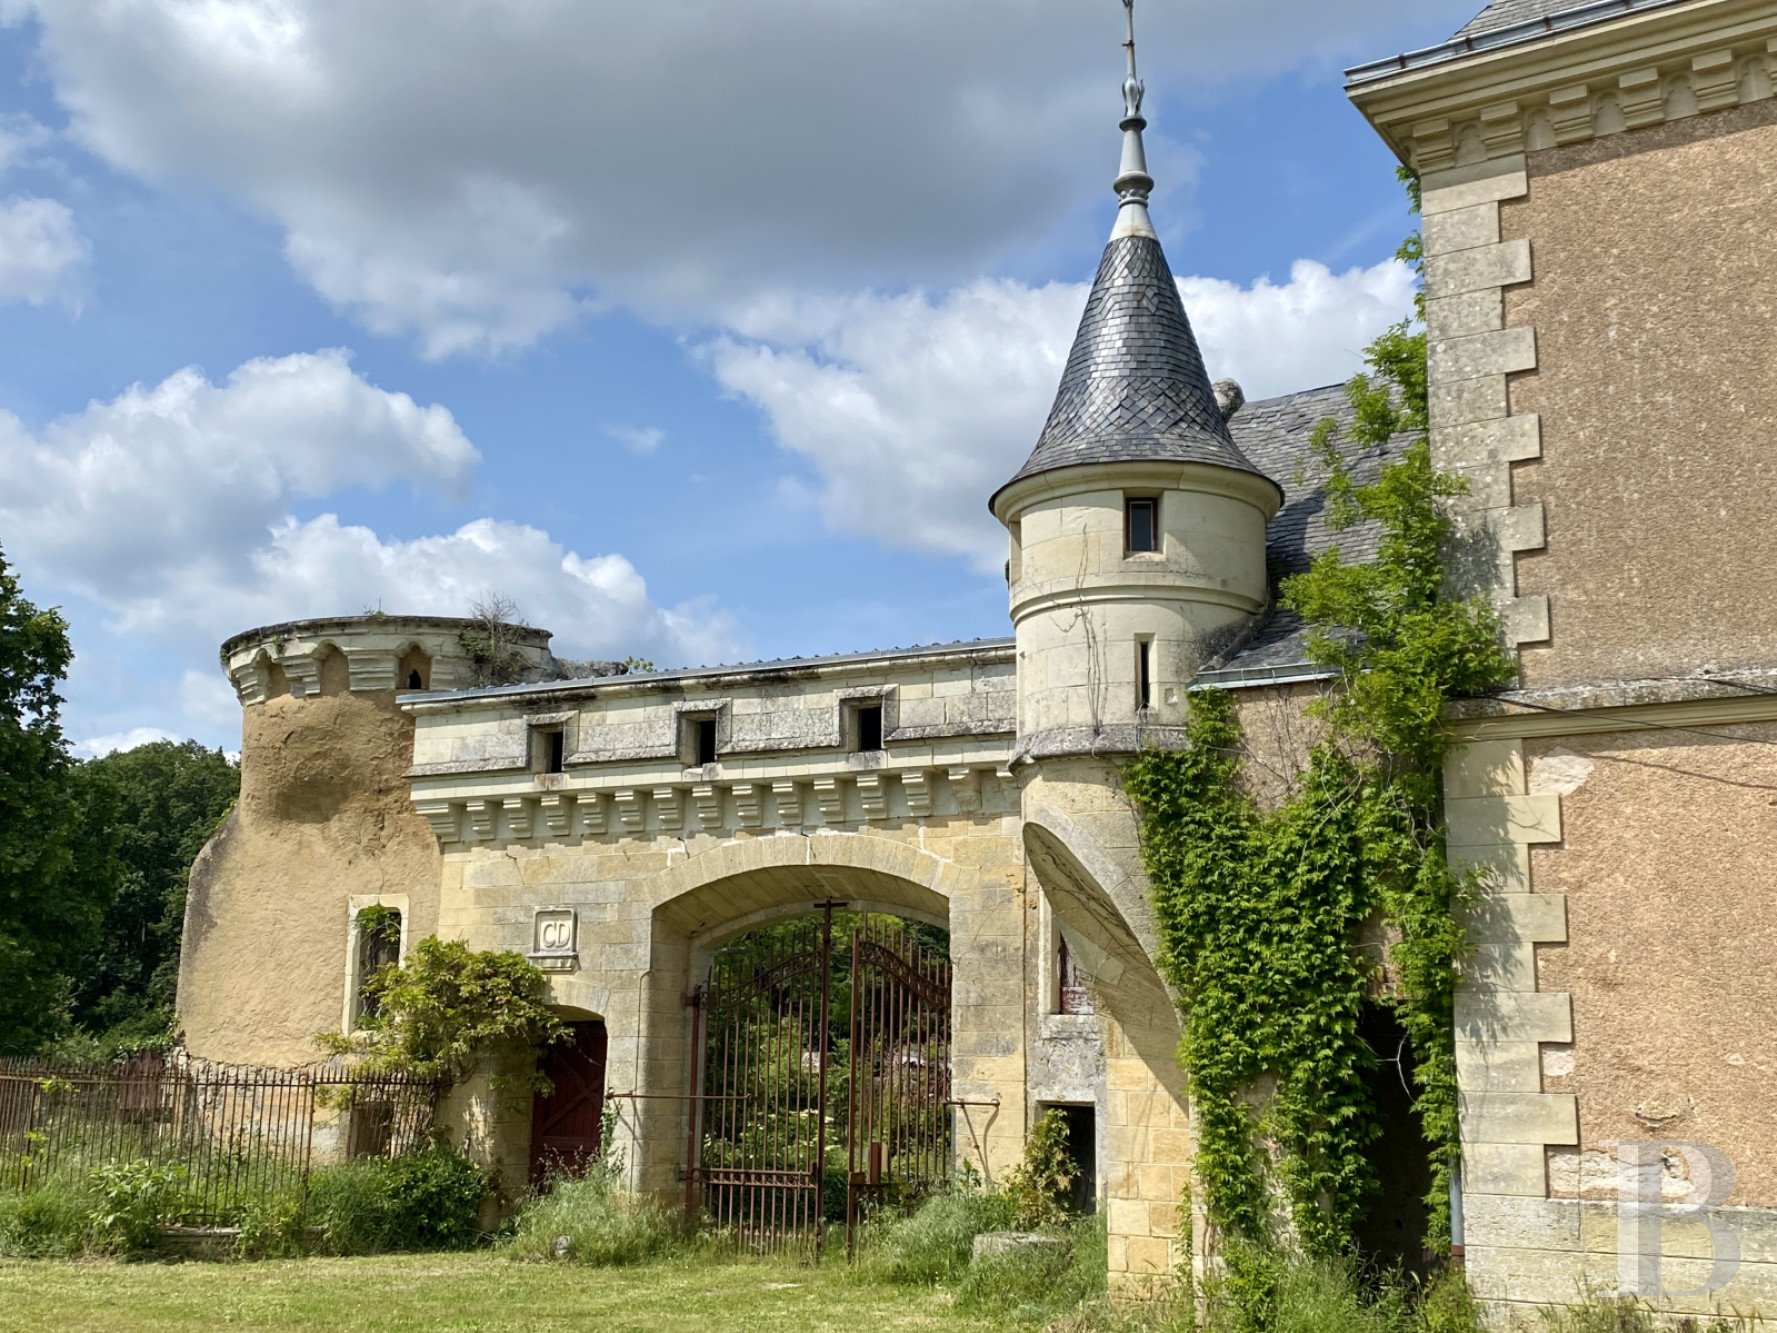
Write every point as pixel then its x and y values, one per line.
pixel 1599 183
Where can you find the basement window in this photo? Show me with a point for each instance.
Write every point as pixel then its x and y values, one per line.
pixel 549 749
pixel 869 728
pixel 1141 525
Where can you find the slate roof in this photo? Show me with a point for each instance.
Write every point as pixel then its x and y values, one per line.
pixel 1510 13
pixel 1134 388
pixel 1275 434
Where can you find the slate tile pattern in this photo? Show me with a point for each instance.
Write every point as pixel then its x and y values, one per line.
pixel 1509 13
pixel 1135 388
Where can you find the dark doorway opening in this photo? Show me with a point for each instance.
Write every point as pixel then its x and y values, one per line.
pixel 565 1124
pixel 1082 1147
pixel 1391 1231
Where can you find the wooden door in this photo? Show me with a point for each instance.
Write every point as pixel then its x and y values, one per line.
pixel 565 1124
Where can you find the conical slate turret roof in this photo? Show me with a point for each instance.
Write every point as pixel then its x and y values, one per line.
pixel 1134 389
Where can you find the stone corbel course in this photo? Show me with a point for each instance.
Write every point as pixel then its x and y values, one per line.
pixel 718 807
pixel 1471 354
pixel 1671 88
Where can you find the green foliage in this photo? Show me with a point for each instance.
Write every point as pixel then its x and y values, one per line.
pixel 931 1246
pixel 440 1012
pixel 1627 1314
pixel 133 1200
pixel 56 864
pixel 166 800
pixel 1032 1284
pixel 50 1221
pixel 605 1226
pixel 1258 910
pixel 427 1200
pixel 1040 1185
pixel 490 642
pixel 273 1228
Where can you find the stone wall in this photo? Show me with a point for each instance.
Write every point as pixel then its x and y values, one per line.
pixel 323 818
pixel 1654 298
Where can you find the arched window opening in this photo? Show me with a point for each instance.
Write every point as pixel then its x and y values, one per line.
pixel 414 672
pixel 333 671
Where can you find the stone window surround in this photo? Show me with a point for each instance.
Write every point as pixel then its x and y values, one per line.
pixel 355 904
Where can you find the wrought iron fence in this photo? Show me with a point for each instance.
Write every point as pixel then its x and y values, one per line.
pixel 233 1135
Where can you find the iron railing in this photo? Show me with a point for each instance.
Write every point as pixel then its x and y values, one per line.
pixel 232 1135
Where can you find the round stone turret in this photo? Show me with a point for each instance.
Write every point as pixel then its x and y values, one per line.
pixel 367 654
pixel 1137 525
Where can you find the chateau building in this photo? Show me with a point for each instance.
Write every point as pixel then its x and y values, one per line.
pixel 1599 182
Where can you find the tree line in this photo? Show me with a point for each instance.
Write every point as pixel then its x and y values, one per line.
pixel 94 856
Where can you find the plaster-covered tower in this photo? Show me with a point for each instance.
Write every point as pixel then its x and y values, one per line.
pixel 1137 555
pixel 323 829
pixel 1137 526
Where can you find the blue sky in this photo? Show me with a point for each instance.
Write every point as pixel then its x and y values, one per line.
pixel 701 331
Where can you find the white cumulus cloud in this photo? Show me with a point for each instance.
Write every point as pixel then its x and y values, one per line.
pixel 174 508
pixel 914 408
pixel 97 747
pixel 637 439
pixel 42 255
pixel 476 172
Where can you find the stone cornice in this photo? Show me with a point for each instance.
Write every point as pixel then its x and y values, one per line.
pixel 1643 69
pixel 1631 706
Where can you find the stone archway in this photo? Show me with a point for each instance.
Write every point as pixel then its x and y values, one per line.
pixel 711 897
pixel 1100 898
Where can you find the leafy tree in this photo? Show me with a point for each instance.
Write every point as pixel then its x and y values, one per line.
pixel 166 799
pixel 446 1008
pixel 55 846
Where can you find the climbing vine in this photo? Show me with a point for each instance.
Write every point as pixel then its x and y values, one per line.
pixel 1260 910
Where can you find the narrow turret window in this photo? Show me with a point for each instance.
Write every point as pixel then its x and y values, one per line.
pixel 1144 674
pixel 1141 524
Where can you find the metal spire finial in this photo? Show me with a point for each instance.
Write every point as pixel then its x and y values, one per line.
pixel 1133 184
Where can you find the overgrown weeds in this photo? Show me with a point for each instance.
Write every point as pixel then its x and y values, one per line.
pixel 428 1200
pixel 931 1246
pixel 594 1221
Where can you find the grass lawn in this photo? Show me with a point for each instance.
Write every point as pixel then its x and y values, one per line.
pixel 480 1292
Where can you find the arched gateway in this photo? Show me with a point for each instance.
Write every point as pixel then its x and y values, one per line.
pixel 644 838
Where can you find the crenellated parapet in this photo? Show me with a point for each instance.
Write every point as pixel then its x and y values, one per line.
pixel 362 654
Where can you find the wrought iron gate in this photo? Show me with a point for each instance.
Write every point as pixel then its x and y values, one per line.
pixel 824 1078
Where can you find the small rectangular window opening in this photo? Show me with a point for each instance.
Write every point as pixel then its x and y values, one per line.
pixel 549 749
pixel 870 728
pixel 1144 674
pixel 705 741
pixel 1141 528
pixel 1071 995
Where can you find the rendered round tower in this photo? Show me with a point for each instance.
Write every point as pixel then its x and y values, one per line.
pixel 1137 525
pixel 323 829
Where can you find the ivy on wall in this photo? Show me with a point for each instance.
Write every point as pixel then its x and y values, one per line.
pixel 1259 910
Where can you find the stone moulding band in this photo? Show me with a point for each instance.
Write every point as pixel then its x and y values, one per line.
pixel 715 806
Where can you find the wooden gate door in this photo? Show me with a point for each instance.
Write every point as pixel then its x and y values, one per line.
pixel 824 1083
pixel 565 1124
